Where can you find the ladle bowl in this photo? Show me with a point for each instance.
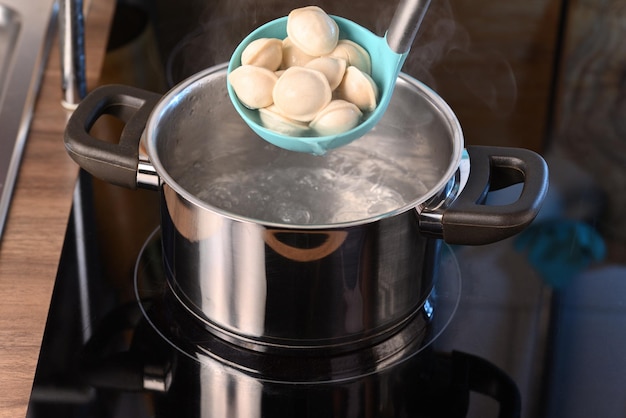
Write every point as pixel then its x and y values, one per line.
pixel 386 65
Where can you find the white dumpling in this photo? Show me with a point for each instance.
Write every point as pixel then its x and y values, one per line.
pixel 354 54
pixel 253 85
pixel 273 119
pixel 333 68
pixel 359 88
pixel 301 92
pixel 312 30
pixel 263 52
pixel 293 56
pixel 339 116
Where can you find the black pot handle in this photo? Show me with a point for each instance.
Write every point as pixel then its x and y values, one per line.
pixel 481 376
pixel 441 384
pixel 468 221
pixel 114 163
pixel 103 364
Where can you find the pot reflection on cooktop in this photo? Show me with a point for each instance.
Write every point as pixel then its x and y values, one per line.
pixel 192 337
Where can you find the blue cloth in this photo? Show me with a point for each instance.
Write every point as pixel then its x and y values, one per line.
pixel 559 249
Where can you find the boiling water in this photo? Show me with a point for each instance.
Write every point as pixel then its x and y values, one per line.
pixel 305 195
pixel 207 150
pixel 300 196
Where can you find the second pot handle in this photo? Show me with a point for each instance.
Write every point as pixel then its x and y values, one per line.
pixel 468 221
pixel 482 376
pixel 114 163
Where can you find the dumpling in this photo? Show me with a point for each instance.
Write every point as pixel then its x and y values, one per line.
pixel 263 52
pixel 293 56
pixel 312 30
pixel 301 92
pixel 273 119
pixel 333 68
pixel 359 88
pixel 354 54
pixel 339 116
pixel 253 85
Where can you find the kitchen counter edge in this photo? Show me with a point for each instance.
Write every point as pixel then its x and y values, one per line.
pixel 33 238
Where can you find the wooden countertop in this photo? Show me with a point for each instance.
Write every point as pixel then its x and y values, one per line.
pixel 35 229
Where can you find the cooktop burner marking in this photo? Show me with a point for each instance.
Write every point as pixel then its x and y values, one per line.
pixel 196 342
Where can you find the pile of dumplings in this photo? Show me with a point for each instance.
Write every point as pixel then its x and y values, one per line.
pixel 309 84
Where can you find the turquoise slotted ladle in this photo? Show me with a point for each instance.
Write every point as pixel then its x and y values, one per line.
pixel 387 54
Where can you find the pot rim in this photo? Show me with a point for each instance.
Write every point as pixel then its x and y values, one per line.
pixel 171 97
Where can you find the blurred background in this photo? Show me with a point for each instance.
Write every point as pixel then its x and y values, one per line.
pixel 548 75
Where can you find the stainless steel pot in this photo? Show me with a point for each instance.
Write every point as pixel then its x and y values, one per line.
pixel 334 271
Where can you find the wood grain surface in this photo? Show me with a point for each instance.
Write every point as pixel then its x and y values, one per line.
pixel 32 242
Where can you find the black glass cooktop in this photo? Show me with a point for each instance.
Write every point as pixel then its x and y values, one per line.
pixel 115 347
pixel 498 324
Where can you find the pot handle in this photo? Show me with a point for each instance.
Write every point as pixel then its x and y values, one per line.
pixel 106 366
pixel 114 163
pixel 468 221
pixel 482 376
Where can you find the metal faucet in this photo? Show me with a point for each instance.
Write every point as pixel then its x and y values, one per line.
pixel 72 48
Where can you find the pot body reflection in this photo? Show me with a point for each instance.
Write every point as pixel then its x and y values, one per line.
pixel 277 286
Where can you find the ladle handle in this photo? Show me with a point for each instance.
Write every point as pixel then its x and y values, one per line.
pixel 405 24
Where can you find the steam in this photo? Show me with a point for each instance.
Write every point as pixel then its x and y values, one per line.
pixel 442 53
pixel 215 33
pixel 493 82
